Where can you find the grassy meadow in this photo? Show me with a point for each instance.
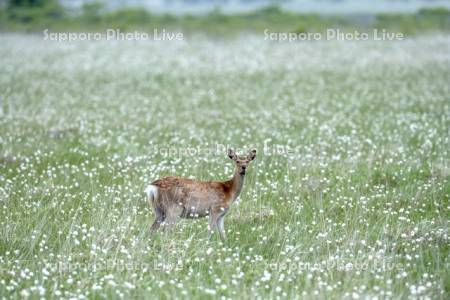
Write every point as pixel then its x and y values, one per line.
pixel 348 198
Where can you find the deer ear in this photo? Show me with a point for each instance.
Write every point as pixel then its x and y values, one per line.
pixel 252 155
pixel 232 154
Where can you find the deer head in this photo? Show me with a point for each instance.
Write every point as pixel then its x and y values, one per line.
pixel 242 162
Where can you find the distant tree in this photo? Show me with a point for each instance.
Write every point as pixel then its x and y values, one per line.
pixel 92 11
pixel 29 3
pixel 34 12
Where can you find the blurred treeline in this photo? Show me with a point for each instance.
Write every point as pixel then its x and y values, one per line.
pixel 36 15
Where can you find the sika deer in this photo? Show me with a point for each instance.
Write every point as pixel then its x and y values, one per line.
pixel 174 197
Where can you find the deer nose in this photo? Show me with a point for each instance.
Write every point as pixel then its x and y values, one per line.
pixel 244 167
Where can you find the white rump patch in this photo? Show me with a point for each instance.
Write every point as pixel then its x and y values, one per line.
pixel 152 192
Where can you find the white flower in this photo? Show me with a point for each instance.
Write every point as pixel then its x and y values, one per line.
pixel 96 287
pixel 128 285
pixel 25 293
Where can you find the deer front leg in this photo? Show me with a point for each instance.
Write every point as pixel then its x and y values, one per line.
pixel 221 228
pixel 213 216
pixel 216 220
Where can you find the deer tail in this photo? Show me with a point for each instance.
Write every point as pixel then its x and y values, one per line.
pixel 151 191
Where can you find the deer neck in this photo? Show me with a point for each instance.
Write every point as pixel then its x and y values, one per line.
pixel 237 183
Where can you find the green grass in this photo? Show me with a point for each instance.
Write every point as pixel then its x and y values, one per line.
pixel 359 207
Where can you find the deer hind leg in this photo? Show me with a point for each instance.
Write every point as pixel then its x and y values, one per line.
pixel 172 215
pixel 153 200
pixel 159 218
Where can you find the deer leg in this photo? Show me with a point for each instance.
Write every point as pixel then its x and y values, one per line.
pixel 216 221
pixel 172 216
pixel 156 225
pixel 159 218
pixel 212 223
pixel 220 227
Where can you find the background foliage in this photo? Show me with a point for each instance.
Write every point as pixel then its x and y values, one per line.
pixel 36 15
